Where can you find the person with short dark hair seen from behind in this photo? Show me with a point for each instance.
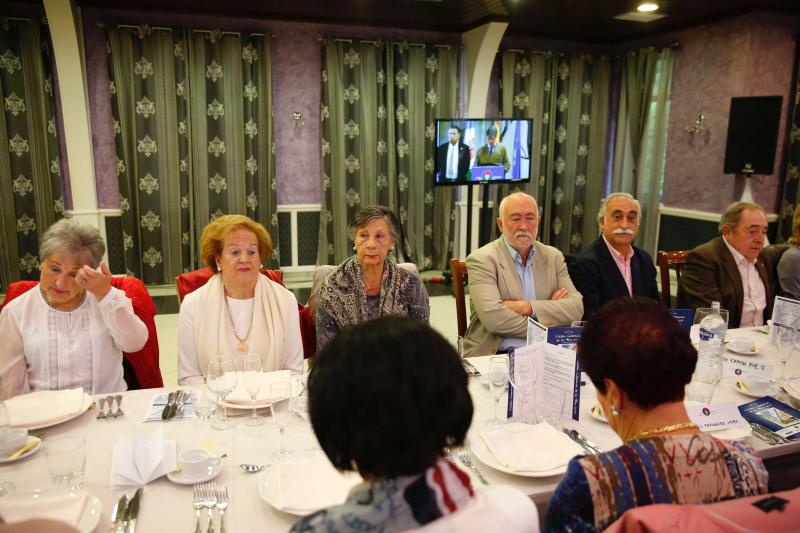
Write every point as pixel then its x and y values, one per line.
pixel 612 267
pixel 387 398
pixel 731 269
pixel 492 153
pixel 789 264
pixel 452 157
pixel 640 359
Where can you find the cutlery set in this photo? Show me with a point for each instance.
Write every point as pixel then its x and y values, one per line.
pixel 466 461
pixel 590 447
pixel 109 407
pixel 175 402
pixel 470 368
pixel 209 496
pixel 767 435
pixel 125 512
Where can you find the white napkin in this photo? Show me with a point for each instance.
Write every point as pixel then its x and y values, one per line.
pixel 64 507
pixel 137 461
pixel 529 448
pixel 310 485
pixel 240 394
pixel 41 407
pixel 793 388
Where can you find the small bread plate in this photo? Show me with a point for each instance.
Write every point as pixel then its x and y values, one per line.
pixel 178 477
pixel 597 413
pixel 37 443
pixel 755 351
pixel 482 453
pixel 742 388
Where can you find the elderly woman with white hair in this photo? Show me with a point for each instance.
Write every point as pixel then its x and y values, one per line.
pixel 71 332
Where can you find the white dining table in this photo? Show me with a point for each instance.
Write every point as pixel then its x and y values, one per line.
pixel 166 506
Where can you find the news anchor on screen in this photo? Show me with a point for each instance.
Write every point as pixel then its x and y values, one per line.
pixel 452 158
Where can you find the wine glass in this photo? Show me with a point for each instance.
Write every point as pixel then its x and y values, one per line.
pixel 253 379
pixel 298 405
pixel 221 380
pixel 498 383
pixel 785 342
pixel 280 392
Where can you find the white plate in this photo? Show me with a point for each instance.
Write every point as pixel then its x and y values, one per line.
pixel 259 405
pixel 268 491
pixel 179 478
pixel 26 454
pixel 740 390
pixel 90 517
pixel 88 402
pixel 597 413
pixel 793 389
pixel 732 433
pixel 755 351
pixel 483 454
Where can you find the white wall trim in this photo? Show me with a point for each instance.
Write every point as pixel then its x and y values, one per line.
pixel 701 215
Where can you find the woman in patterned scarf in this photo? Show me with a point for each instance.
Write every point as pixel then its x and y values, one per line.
pixel 386 398
pixel 369 284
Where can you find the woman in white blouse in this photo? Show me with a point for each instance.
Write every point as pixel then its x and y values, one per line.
pixel 71 330
pixel 239 310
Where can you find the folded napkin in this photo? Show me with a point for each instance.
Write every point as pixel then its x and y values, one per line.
pixel 239 395
pixel 529 448
pixel 137 461
pixel 45 406
pixel 793 388
pixel 311 484
pixel 64 507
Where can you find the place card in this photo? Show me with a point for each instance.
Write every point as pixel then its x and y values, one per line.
pixel 715 416
pixel 685 317
pixel 784 313
pixel 736 367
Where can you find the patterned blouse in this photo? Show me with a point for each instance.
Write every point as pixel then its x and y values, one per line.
pixel 596 490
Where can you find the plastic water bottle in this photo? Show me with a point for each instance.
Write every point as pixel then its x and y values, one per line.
pixel 709 356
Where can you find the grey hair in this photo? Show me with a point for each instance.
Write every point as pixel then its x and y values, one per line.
pixel 502 208
pixel 365 215
pixel 79 240
pixel 601 213
pixel 733 214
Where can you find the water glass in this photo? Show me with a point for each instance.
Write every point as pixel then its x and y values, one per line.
pixel 498 383
pixel 701 389
pixel 703 312
pixel 299 402
pixel 785 342
pixel 66 460
pixel 204 403
pixel 253 379
pixel 280 393
pixel 221 380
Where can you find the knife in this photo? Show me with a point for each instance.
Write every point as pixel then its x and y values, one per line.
pixel 184 397
pixel 133 510
pixel 571 435
pixel 583 441
pixel 119 518
pixel 171 410
pixel 165 412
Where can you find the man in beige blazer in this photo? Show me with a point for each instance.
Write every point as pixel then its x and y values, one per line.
pixel 516 277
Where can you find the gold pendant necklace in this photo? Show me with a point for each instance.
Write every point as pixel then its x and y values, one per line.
pixel 665 429
pixel 242 346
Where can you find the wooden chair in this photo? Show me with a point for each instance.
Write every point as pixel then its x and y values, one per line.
pixel 459 269
pixel 141 370
pixel 665 261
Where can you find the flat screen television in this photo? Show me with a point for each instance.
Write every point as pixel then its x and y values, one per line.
pixel 482 150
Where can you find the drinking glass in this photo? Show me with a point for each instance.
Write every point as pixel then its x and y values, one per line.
pixel 204 404
pixel 253 379
pixel 460 346
pixel 785 342
pixel 498 383
pixel 298 405
pixel 280 393
pixel 551 407
pixel 66 460
pixel 221 380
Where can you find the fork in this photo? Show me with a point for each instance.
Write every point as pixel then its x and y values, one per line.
pixel 118 411
pixel 101 405
pixel 210 491
pixel 222 504
pixel 464 458
pixel 198 504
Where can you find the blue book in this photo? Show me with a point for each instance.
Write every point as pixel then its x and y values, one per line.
pixel 773 415
pixel 685 317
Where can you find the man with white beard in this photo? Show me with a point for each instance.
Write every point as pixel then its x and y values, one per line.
pixel 611 267
pixel 515 277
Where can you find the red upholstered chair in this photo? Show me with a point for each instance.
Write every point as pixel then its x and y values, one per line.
pixel 141 370
pixel 191 281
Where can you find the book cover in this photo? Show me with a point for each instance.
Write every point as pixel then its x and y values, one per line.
pixel 773 415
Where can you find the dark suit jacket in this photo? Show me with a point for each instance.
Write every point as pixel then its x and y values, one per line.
pixel 441 159
pixel 710 274
pixel 598 279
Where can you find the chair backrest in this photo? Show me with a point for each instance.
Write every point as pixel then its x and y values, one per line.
pixel 665 261
pixel 141 369
pixel 191 281
pixel 459 269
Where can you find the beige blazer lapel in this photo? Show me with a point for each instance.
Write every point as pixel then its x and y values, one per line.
pixel 541 275
pixel 512 288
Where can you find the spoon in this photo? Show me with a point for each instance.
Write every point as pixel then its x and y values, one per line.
pixel 252 469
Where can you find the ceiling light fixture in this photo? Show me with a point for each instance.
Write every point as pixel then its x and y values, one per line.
pixel 647 7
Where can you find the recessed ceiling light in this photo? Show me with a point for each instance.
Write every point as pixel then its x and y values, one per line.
pixel 647 7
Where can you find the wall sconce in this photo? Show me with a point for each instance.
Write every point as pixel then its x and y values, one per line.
pixel 299 121
pixel 698 126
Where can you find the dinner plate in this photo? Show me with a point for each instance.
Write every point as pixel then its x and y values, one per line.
pixel 178 477
pixel 88 402
pixel 732 433
pixel 90 517
pixel 26 454
pixel 482 453
pixel 268 490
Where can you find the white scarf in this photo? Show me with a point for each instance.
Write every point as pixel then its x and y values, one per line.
pixel 213 332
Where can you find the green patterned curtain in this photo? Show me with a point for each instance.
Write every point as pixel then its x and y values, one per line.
pixel 566 95
pixel 790 198
pixel 193 128
pixel 30 172
pixel 379 101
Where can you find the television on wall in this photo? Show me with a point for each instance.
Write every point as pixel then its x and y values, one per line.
pixel 473 151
